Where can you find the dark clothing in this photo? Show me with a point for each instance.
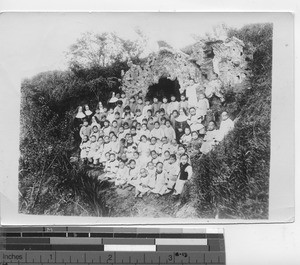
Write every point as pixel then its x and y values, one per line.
pixel 182 174
pixel 180 125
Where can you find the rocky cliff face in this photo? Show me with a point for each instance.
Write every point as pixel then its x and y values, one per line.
pixel 215 65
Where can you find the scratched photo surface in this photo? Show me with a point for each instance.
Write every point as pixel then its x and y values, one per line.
pixel 156 115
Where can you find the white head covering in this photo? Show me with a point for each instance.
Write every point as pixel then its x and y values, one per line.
pixel 113 99
pixel 80 114
pixel 87 112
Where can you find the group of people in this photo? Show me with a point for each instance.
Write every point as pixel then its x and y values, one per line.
pixel 146 143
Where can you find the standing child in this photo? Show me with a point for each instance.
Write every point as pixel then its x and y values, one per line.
pixel 183 103
pixel 99 151
pixel 106 128
pixel 157 132
pixel 185 174
pixel 151 175
pixel 195 144
pixel 164 104
pixel 202 106
pixel 114 144
pixel 106 149
pixel 169 131
pixel 133 174
pixel 93 148
pixel 85 130
pixel 144 148
pixel 156 104
pixel 85 148
pixel 173 105
pixel 210 139
pixel 95 132
pixel 147 107
pixel 173 147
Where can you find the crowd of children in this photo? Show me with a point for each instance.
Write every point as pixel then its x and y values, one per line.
pixel 147 144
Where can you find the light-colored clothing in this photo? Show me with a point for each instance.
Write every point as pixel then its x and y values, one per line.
pixel 209 141
pixel 158 133
pixel 186 139
pixel 160 183
pixel 191 95
pixel 145 109
pixel 225 127
pixel 170 133
pixel 142 185
pixel 151 178
pixel 85 131
pixel 93 149
pixel 121 175
pixel 174 105
pixel 185 174
pixel 85 148
pixel 202 106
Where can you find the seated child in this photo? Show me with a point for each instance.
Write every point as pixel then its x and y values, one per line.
pixel 133 173
pixel 134 134
pixel 110 169
pixel 157 132
pixel 106 127
pixel 122 172
pixel 185 174
pixel 195 144
pixel 106 149
pixel 85 148
pixel 166 157
pixel 138 162
pixel 186 138
pixel 169 131
pixel 121 133
pixel 173 147
pixel 160 184
pixel 154 157
pixel 165 145
pixel 151 175
pixel 144 131
pixel 141 187
pixel 154 145
pixel 210 139
pixel 114 144
pixel 130 147
pixel 144 148
pixel 172 171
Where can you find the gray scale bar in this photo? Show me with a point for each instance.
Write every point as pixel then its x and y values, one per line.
pixel 181 248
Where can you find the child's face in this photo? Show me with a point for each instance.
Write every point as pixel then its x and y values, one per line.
pixel 132 131
pixel 106 139
pixel 155 100
pixel 126 126
pixel 132 100
pixel 87 107
pixel 100 141
pixel 95 129
pixel 114 124
pixel 224 116
pixel 111 111
pixel 144 140
pixel 211 126
pixel 159 167
pixel 106 124
pixel 154 155
pixel 132 164
pixel 118 95
pixel 150 165
pixel 101 133
pixel 147 102
pixel 136 155
pixel 114 138
pixel 138 113
pixel 121 130
pixel 143 173
pixel 149 113
pixel 129 140
pixel 117 116
pixel 195 136
pixel 165 140
pixel 85 124
pixel 153 141
pixel 172 160
pixel 183 160
pixel 85 138
pixel 187 131
pixel 138 126
pixel 140 101
pixel 123 95
pixel 107 156
pixel 192 111
pixel 144 127
pixel 156 125
pixel 182 98
pixel 105 109
pixel 93 139
pixel 112 158
pixel 168 124
pixel 181 150
pixel 167 155
pixel 121 164
pixel 173 98
pixel 165 100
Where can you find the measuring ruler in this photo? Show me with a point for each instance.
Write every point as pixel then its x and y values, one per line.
pixel 110 245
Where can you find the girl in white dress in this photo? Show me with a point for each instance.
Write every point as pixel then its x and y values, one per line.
pixel 210 139
pixel 186 138
pixel 133 173
pixel 106 149
pixel 202 105
pixel 172 170
pixel 141 187
pixel 151 175
pixel 143 148
pixel 85 148
pixel 93 148
pixel 99 151
pixel 122 172
pixel 160 184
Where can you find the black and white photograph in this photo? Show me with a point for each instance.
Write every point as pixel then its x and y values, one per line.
pixel 147 115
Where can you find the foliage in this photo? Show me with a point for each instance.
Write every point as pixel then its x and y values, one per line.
pixel 233 180
pixel 102 50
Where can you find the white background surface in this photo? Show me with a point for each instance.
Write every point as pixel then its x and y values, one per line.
pixel 245 244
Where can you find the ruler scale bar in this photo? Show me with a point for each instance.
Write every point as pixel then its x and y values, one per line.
pixel 111 245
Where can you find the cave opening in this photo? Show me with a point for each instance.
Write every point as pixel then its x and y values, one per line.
pixel 164 88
